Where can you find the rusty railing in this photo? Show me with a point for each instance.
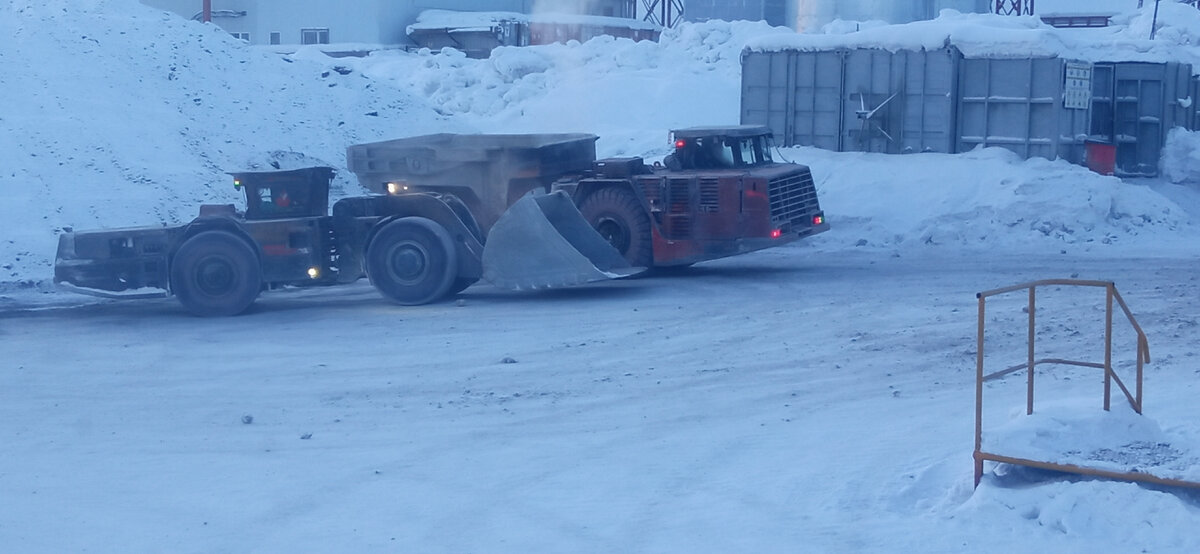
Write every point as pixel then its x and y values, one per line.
pixel 1031 362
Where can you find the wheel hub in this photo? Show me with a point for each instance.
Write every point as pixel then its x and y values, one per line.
pixel 408 262
pixel 614 232
pixel 215 276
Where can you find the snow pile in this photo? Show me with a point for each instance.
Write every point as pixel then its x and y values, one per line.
pixel 987 199
pixel 146 112
pixel 842 26
pixel 1085 7
pixel 989 35
pixel 1177 24
pixel 616 88
pixel 974 34
pixel 1181 157
pixel 1084 516
pixel 1078 432
pixel 125 115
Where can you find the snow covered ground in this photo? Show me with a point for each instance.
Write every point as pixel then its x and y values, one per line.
pixel 817 397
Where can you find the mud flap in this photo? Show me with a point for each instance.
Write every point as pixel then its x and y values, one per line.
pixel 543 242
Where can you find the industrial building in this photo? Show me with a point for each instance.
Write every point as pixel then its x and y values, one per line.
pixel 296 22
pixel 807 15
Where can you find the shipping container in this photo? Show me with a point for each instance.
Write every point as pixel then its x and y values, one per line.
pixel 854 100
pixel 876 100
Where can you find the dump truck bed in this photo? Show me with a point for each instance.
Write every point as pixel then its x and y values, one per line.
pixel 487 172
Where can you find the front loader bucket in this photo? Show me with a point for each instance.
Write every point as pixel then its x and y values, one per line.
pixel 543 242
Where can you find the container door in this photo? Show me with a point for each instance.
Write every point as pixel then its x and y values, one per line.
pixel 816 92
pixel 873 93
pixel 1138 108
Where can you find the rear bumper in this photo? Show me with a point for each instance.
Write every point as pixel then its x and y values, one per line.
pixel 86 263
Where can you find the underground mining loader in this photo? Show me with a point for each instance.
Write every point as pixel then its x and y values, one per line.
pixel 520 211
pixel 719 193
pixel 415 246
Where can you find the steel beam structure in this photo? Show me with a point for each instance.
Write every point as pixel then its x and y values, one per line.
pixel 667 13
pixel 1013 7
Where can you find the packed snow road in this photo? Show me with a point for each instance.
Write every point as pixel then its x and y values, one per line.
pixel 787 400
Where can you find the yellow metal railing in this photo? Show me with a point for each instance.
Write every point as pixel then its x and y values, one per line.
pixel 1134 398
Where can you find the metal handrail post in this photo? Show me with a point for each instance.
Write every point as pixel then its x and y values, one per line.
pixel 979 393
pixel 1030 363
pixel 1140 361
pixel 1135 399
pixel 1108 370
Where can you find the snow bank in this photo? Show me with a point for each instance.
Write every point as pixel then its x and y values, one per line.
pixel 986 199
pixel 1084 7
pixel 1181 157
pixel 988 35
pixel 974 34
pixel 138 115
pixel 127 115
pixel 1085 516
pixel 1078 432
pixel 630 93
pixel 1177 24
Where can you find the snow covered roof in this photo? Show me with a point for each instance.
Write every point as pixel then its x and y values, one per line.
pixel 1085 7
pixel 450 19
pixel 994 36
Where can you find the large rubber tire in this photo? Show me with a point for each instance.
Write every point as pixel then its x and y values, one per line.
pixel 215 273
pixel 618 216
pixel 412 261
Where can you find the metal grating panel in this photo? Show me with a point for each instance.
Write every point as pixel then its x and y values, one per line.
pixel 679 211
pixel 652 190
pixel 710 195
pixel 793 198
pixel 679 226
pixel 679 195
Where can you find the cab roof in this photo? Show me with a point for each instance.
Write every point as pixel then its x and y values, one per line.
pixel 726 130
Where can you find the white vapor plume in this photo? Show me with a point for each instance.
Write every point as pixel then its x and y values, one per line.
pixel 579 7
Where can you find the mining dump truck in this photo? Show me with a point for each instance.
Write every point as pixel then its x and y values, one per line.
pixel 719 193
pixel 520 211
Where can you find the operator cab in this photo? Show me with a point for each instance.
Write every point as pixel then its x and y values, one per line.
pixel 285 194
pixel 720 147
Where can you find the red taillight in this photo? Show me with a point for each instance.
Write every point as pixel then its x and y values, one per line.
pixel 776 233
pixel 680 143
pixel 818 219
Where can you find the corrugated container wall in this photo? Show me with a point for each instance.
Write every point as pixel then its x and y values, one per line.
pixel 1135 105
pixel 1019 104
pixel 861 100
pixel 938 101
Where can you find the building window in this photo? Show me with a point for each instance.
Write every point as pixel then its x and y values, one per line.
pixel 274 37
pixel 314 36
pixel 242 36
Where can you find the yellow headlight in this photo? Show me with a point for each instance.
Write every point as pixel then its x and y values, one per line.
pixel 314 272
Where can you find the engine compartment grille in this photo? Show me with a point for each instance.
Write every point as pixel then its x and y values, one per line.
pixel 710 195
pixel 793 198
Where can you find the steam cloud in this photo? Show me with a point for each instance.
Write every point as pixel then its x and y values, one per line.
pixel 580 7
